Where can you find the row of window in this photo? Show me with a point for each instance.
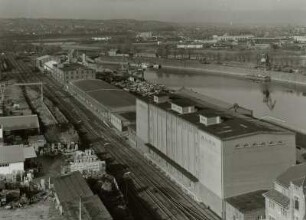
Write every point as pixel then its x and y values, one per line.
pixel 4 165
pixel 262 144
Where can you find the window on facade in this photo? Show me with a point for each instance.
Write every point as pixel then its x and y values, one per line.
pixel 284 212
pixel 261 217
pixel 4 165
pixel 271 204
pixel 296 203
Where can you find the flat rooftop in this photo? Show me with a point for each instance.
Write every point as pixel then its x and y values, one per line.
pixel 248 202
pixel 232 124
pixel 115 99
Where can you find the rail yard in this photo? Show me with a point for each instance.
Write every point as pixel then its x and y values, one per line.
pixel 147 188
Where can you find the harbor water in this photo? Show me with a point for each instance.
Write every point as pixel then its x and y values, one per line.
pixel 284 104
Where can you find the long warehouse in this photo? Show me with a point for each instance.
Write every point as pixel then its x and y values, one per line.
pixel 109 103
pixel 212 153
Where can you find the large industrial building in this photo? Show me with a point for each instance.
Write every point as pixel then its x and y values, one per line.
pixel 65 73
pixel 112 105
pixel 212 153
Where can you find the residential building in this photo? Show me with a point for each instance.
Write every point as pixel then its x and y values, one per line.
pixel 227 37
pixel 189 46
pixel 146 54
pixel 299 39
pixel 286 201
pixel 211 152
pixel 12 158
pixel 145 35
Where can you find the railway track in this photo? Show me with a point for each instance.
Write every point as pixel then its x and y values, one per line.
pixel 164 199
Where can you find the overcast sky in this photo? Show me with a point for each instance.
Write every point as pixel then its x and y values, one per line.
pixel 165 10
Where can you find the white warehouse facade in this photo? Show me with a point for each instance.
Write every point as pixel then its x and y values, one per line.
pixel 211 153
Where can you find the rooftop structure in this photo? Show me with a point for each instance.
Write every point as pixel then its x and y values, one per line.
pixel 233 125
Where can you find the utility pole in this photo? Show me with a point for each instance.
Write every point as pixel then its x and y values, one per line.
pixel 80 209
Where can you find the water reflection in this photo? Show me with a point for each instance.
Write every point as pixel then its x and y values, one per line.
pixel 267 96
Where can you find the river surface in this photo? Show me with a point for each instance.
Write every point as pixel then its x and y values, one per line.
pixel 280 103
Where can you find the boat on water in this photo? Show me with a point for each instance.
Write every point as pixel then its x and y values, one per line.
pixel 259 78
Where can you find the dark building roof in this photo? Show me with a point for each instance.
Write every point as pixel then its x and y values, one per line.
pixel 232 124
pixel 295 174
pixel 278 197
pixel 14 123
pixel 92 209
pixel 71 187
pixel 248 202
pixel 130 116
pixel 73 66
pixel 113 98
